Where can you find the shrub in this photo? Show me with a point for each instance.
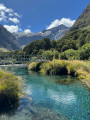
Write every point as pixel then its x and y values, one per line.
pixel 70 54
pixel 50 54
pixel 35 66
pixel 85 52
pixel 75 68
pixel 10 88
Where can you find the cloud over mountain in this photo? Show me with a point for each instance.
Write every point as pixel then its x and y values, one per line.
pixel 65 21
pixel 7 15
pixel 12 23
pixel 6 12
pixel 13 28
pixel 27 31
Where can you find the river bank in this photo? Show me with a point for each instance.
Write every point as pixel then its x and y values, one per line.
pixel 75 68
pixel 49 98
pixel 10 88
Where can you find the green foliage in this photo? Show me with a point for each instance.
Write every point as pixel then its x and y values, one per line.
pixel 83 20
pixel 41 52
pixel 55 67
pixel 49 49
pixel 35 66
pixel 70 54
pixel 50 54
pixel 34 47
pixel 85 52
pixel 82 54
pixel 54 44
pixel 10 87
pixel 73 40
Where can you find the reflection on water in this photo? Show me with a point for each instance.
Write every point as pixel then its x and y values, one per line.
pixel 64 98
pixel 66 80
pixel 50 100
pixel 8 111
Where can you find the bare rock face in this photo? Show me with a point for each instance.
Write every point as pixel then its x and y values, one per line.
pixel 53 33
pixel 7 40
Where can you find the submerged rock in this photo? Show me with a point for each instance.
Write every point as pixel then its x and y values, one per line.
pixel 35 113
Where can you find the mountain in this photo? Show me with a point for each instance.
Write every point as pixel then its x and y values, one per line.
pixel 54 34
pixel 7 40
pixel 78 34
pixel 83 20
pixel 76 37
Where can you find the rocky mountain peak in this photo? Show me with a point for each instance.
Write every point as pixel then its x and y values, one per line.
pixel 83 20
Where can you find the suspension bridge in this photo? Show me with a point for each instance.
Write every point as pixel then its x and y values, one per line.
pixel 19 59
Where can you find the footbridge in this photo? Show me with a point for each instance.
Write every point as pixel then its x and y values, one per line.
pixel 19 59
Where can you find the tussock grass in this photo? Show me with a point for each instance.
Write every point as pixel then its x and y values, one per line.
pixel 35 66
pixel 10 88
pixel 75 68
pixel 55 67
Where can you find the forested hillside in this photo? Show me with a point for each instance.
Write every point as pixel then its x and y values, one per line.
pixel 77 40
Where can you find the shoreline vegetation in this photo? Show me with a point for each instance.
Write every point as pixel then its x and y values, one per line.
pixel 75 68
pixel 10 88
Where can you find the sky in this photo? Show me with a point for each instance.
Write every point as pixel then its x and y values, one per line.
pixel 37 15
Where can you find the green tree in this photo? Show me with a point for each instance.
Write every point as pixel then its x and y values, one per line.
pixel 69 54
pixel 85 52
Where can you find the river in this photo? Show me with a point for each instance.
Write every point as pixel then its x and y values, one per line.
pixel 46 99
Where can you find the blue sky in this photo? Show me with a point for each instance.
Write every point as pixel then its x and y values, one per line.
pixel 36 15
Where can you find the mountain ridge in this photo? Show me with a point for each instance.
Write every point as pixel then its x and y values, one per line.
pixel 83 20
pixel 7 40
pixel 78 34
pixel 53 33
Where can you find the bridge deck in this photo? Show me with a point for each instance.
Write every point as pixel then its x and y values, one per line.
pixel 19 59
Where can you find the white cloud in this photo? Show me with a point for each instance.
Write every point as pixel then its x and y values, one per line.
pixel 8 15
pixel 27 31
pixel 2 16
pixel 9 10
pixel 2 7
pixel 14 20
pixel 65 21
pixel 13 28
pixel 5 9
pixel 6 12
pixel 16 14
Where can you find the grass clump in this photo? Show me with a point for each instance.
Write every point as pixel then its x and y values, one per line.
pixel 75 68
pixel 10 88
pixel 55 67
pixel 35 66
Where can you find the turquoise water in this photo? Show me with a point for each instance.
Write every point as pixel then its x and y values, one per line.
pixel 50 100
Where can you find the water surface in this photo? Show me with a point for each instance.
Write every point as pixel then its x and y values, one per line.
pixel 50 100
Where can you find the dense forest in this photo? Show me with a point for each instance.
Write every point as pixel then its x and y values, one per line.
pixel 74 45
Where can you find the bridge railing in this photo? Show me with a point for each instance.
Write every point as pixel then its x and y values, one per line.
pixel 10 58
